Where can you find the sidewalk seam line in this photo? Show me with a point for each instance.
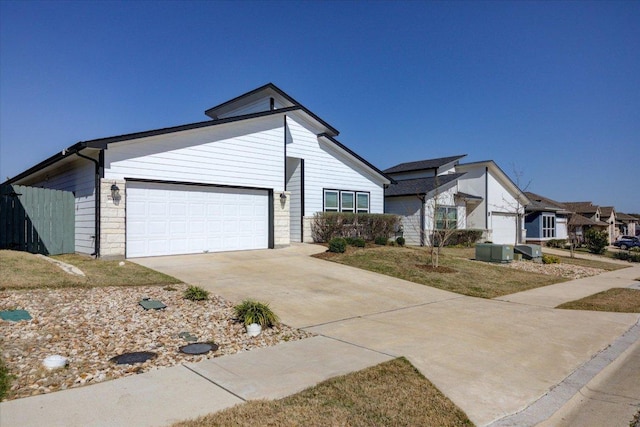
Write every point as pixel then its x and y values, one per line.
pixel 380 312
pixel 359 346
pixel 215 383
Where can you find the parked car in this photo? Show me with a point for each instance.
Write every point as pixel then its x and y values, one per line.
pixel 627 243
pixel 624 237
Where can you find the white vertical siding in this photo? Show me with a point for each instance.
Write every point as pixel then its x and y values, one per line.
pixel 500 199
pixel 326 167
pixel 294 186
pixel 78 176
pixel 409 209
pixel 250 154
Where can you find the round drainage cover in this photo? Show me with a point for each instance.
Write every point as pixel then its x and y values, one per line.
pixel 131 358
pixel 198 348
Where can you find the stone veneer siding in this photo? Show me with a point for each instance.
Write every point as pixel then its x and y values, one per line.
pixel 281 219
pixel 112 219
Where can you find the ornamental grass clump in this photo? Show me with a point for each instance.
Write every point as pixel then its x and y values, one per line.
pixel 251 311
pixel 196 293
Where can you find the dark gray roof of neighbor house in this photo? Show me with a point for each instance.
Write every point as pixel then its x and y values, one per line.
pixel 541 203
pixel 581 207
pixel 419 186
pixel 606 210
pixel 423 164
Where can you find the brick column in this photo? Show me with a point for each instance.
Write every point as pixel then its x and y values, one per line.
pixel 112 219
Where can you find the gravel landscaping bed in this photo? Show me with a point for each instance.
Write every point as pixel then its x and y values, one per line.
pixel 569 271
pixel 90 326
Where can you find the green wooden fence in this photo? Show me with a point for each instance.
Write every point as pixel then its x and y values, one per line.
pixel 37 220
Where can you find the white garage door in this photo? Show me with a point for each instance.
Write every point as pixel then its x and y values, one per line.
pixel 171 219
pixel 503 226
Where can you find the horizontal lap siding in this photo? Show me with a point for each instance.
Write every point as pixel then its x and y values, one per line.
pixel 326 168
pixel 79 177
pixel 247 154
pixel 409 209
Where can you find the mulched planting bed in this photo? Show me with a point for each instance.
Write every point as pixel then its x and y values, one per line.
pixel 90 326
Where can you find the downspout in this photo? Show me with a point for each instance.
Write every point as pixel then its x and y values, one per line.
pixel 422 221
pixel 486 198
pixel 96 239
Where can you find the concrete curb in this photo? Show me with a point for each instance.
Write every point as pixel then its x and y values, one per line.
pixel 547 405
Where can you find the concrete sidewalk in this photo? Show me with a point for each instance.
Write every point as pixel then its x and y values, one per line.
pixel 165 396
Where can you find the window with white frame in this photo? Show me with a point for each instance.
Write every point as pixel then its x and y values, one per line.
pixel 446 218
pixel 362 202
pixel 346 201
pixel 548 226
pixel 331 201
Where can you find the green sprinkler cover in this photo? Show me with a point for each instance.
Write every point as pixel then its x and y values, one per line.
pixel 150 304
pixel 15 315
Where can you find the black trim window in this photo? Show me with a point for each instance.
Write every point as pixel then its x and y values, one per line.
pixel 346 201
pixel 548 226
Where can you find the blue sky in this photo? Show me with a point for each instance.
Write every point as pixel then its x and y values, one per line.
pixel 548 89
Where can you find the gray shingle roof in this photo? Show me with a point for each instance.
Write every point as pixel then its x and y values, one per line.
pixel 419 186
pixel 541 203
pixel 423 164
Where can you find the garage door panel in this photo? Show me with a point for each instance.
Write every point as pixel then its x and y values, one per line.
pixel 164 219
pixel 503 228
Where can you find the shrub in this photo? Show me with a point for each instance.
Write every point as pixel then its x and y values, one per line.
pixel 400 240
pixel 624 256
pixel 381 240
pixel 550 259
pixel 355 241
pixel 557 243
pixel 327 225
pixel 466 237
pixel 250 311
pixel 196 293
pixel 634 257
pixel 5 379
pixel 596 241
pixel 337 245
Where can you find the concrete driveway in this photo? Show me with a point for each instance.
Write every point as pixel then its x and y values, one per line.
pixel 493 358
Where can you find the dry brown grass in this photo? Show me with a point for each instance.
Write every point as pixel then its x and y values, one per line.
pixel 392 393
pixel 22 270
pixel 619 300
pixel 469 277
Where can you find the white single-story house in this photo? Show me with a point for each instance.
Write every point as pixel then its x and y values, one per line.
pixel 442 193
pixel 250 177
pixel 545 219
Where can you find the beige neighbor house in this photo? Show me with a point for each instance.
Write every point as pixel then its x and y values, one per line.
pixel 586 215
pixel 628 225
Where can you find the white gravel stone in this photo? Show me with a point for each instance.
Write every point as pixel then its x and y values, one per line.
pixel 90 326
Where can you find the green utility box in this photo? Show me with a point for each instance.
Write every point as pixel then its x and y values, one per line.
pixel 531 252
pixel 490 252
pixel 483 252
pixel 502 253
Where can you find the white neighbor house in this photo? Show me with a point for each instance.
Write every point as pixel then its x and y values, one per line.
pixel 251 177
pixel 475 195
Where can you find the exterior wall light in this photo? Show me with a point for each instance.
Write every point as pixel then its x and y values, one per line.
pixel 283 197
pixel 115 192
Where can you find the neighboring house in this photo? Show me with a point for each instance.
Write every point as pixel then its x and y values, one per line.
pixel 629 224
pixel 442 193
pixel 251 177
pixel 585 215
pixel 545 219
pixel 608 215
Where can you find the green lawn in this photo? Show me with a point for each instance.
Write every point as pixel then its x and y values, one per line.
pixel 22 270
pixel 620 300
pixel 392 393
pixel 469 277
